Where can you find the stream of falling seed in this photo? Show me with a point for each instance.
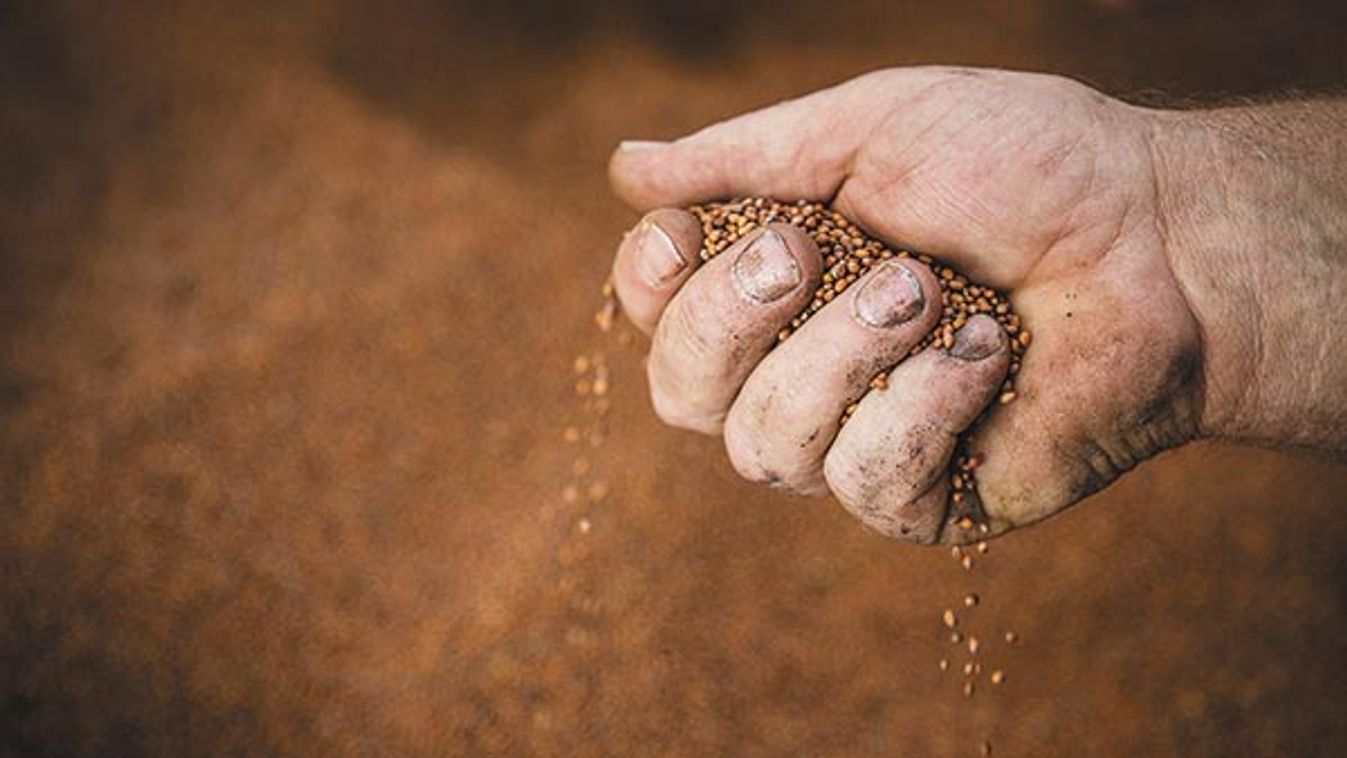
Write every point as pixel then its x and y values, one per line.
pixel 963 636
pixel 848 253
pixel 585 494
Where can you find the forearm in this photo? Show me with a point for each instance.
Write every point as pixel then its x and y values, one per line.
pixel 1254 215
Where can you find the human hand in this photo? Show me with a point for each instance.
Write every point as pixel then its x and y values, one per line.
pixel 1035 185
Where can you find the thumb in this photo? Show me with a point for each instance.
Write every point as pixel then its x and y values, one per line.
pixel 798 149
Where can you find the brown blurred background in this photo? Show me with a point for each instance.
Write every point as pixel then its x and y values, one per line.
pixel 289 298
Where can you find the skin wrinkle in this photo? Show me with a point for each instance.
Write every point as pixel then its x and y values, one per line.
pixel 1257 309
pixel 700 398
pixel 800 164
pixel 1114 449
pixel 901 486
pixel 1215 192
pixel 703 348
pixel 1071 229
pixel 834 196
pixel 933 477
pixel 1282 380
pixel 760 436
pixel 1136 441
pixel 816 382
pixel 900 168
pixel 1097 472
pixel 1055 160
pixel 1130 203
pixel 914 447
pixel 1120 455
pixel 862 367
pixel 1160 225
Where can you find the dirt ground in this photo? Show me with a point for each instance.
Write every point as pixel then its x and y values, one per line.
pixel 289 298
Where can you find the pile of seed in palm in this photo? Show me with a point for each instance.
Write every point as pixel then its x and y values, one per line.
pixel 848 252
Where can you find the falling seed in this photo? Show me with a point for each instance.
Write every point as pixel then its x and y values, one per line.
pixel 581 364
pixel 968 669
pixel 1012 638
pixel 849 253
pixel 584 526
pixel 998 676
pixel 604 317
pixel 601 386
pixel 583 387
pixel 986 750
pixel 571 434
pixel 597 491
pixel 570 494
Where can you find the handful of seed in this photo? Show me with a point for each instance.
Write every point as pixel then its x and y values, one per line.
pixel 848 252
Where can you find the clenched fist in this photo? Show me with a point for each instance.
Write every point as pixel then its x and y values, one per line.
pixel 1116 230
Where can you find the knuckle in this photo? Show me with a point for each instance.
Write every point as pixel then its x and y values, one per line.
pixel 748 440
pixel 846 474
pixel 877 507
pixel 877 490
pixel 682 410
pixel 685 398
pixel 765 459
pixel 743 445
pixel 769 437
pixel 691 336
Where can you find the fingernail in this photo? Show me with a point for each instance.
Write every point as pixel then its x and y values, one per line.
pixel 765 269
pixel 657 258
pixel 637 145
pixel 979 338
pixel 891 296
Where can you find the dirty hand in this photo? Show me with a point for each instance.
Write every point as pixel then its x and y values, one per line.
pixel 1117 231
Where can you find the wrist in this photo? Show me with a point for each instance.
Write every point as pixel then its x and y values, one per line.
pixel 1255 238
